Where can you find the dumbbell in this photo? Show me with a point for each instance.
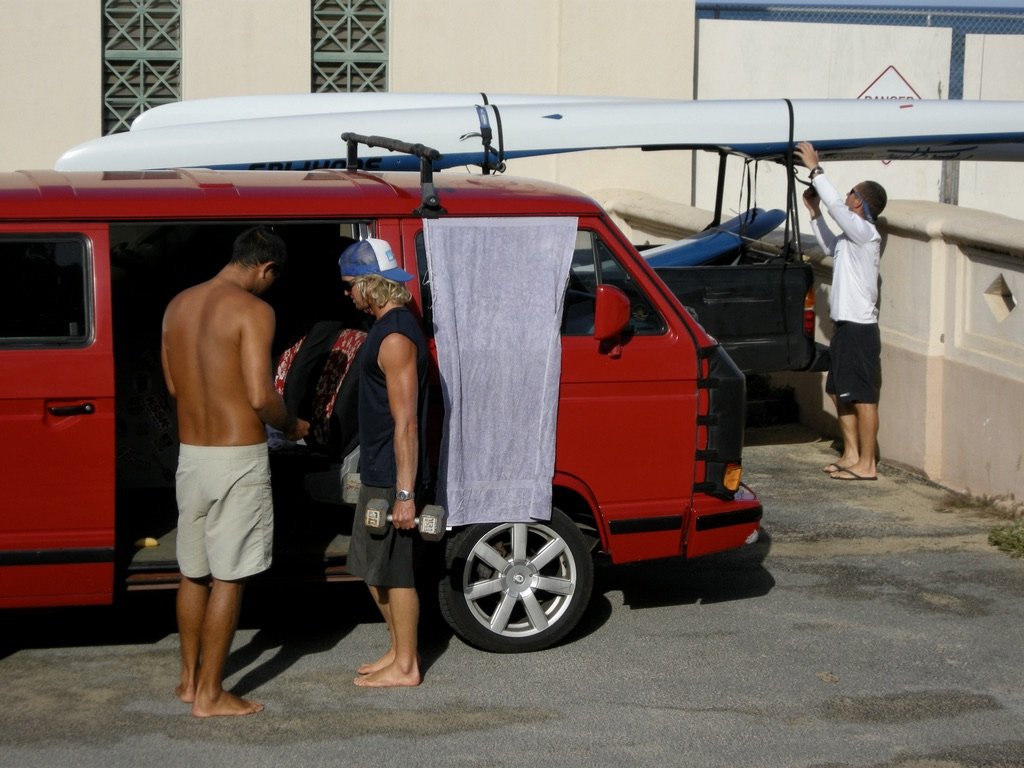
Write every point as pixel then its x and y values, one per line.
pixel 431 522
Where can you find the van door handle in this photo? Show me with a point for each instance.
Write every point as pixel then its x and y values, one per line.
pixel 79 409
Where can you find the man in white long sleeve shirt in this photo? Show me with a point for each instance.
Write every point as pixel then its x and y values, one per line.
pixel 855 372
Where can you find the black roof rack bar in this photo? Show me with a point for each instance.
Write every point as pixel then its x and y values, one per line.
pixel 430 205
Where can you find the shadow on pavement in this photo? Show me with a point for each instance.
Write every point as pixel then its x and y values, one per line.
pixel 779 434
pixel 137 618
pixel 723 577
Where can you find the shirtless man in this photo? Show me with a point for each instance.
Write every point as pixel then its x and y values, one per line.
pixel 215 352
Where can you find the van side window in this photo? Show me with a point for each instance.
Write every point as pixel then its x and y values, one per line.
pixel 44 295
pixel 593 264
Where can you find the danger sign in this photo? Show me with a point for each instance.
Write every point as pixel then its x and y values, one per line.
pixel 889 85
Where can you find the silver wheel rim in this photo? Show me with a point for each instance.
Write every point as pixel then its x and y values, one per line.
pixel 519 579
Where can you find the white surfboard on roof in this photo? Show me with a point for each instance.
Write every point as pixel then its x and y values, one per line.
pixel 287 105
pixel 840 128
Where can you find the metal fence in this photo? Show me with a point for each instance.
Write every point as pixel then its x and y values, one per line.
pixel 970 21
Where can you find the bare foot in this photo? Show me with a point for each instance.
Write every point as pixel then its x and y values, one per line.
pixel 226 704
pixel 390 677
pixel 185 692
pixel 384 661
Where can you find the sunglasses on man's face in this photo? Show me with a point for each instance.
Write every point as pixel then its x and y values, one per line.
pixel 863 203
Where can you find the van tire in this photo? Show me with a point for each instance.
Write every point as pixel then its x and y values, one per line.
pixel 506 605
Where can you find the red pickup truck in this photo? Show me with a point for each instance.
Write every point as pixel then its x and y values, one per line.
pixel 650 414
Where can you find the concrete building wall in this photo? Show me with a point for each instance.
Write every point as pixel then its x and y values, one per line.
pixel 50 57
pixel 952 347
pixel 737 59
pixel 991 71
pixel 241 47
pixel 961 357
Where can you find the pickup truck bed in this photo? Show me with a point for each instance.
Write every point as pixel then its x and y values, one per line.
pixel 758 311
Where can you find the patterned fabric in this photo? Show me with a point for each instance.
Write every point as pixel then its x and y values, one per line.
pixel 284 364
pixel 336 368
pixel 339 361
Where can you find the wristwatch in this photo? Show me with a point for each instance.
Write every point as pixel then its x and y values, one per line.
pixel 404 495
pixel 816 171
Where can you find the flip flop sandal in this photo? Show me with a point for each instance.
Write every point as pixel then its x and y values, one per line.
pixel 852 476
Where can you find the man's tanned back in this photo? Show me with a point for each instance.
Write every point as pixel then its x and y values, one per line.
pixel 217 345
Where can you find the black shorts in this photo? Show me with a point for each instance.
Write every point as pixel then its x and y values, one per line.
pixel 381 560
pixel 855 373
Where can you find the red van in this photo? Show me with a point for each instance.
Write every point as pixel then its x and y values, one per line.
pixel 650 414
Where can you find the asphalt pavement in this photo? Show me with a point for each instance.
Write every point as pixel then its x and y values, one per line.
pixel 866 628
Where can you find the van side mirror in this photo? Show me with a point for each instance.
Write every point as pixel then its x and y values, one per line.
pixel 611 313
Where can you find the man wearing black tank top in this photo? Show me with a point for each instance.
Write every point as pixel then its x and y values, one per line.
pixel 392 389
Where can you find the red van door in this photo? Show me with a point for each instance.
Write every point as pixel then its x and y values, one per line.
pixel 56 417
pixel 627 412
pixel 626 430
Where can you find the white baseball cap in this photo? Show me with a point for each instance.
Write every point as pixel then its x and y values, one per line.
pixel 372 257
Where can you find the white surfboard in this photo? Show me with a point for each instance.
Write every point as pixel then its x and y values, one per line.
pixel 285 105
pixel 839 128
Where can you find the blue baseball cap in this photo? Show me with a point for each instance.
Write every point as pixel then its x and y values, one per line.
pixel 372 257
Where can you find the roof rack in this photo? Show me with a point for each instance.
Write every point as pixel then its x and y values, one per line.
pixel 430 205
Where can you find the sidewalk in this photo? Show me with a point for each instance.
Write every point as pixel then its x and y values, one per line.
pixel 806 511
